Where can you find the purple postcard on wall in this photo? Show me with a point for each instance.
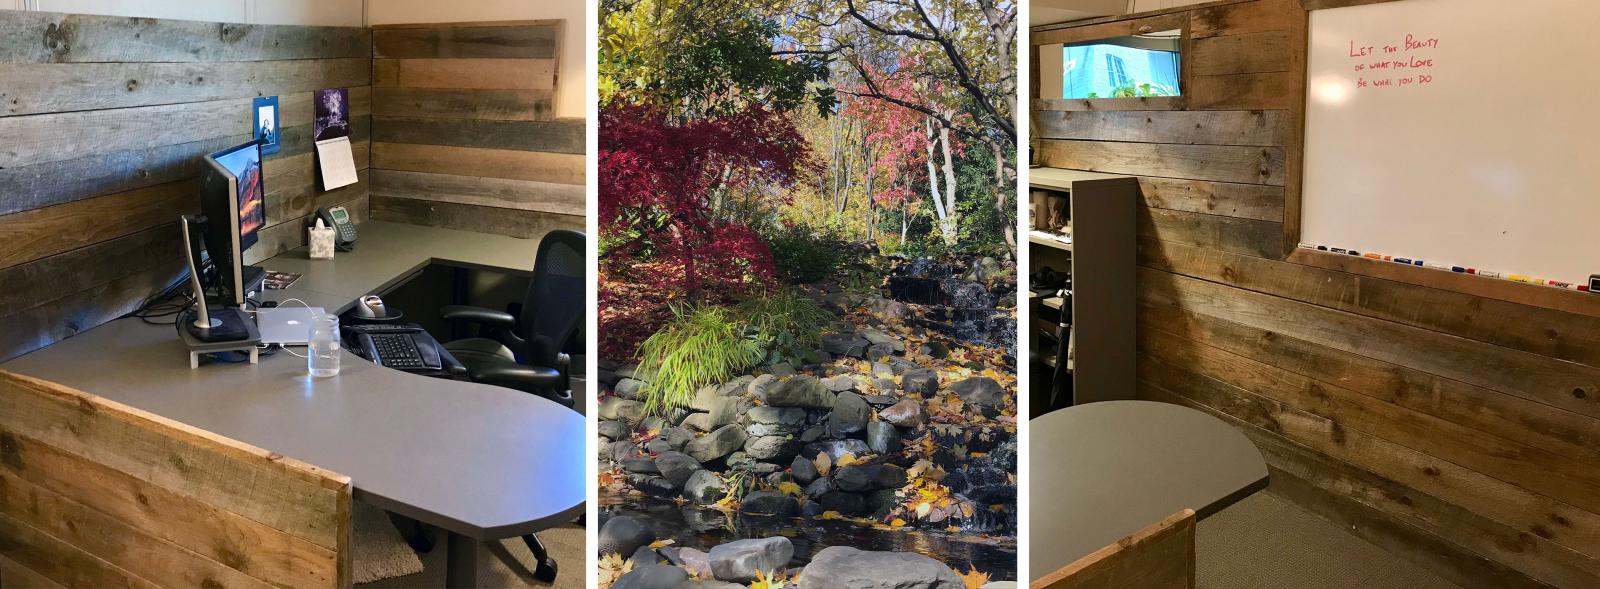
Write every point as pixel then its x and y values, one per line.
pixel 333 114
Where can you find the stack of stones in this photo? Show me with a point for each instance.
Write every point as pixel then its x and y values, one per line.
pixel 736 564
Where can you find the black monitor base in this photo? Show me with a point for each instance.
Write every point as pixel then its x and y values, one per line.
pixel 228 324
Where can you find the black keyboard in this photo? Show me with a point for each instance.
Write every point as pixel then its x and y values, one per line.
pixel 397 350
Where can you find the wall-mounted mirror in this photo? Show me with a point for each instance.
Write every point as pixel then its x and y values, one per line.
pixel 1132 66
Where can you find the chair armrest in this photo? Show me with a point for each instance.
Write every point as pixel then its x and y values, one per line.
pixel 470 314
pixel 518 376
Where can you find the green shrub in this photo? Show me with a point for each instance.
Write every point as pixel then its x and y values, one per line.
pixel 802 255
pixel 784 322
pixel 699 346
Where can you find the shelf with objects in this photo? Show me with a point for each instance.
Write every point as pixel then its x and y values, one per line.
pixel 1082 244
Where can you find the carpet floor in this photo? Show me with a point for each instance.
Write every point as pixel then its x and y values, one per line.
pixel 507 565
pixel 1265 542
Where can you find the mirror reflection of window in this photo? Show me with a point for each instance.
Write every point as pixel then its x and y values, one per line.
pixel 1122 67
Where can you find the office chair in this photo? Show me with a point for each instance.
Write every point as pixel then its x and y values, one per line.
pixel 524 351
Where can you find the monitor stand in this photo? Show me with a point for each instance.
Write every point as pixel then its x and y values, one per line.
pixel 227 324
pixel 254 277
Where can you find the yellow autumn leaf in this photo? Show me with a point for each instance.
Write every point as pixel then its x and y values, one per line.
pixel 972 578
pixel 829 515
pixel 847 460
pixel 789 488
pixel 662 543
pixel 897 522
pixel 824 464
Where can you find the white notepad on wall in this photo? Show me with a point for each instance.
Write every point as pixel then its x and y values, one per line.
pixel 337 162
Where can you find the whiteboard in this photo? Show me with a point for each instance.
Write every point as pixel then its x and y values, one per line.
pixel 1483 151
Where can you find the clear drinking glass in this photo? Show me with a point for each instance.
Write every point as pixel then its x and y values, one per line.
pixel 322 354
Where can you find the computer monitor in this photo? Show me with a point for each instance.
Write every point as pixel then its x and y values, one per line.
pixel 232 198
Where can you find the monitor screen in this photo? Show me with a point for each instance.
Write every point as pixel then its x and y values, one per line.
pixel 244 163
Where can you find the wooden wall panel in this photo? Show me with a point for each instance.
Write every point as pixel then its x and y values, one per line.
pixel 97 494
pixel 1450 419
pixel 463 131
pixel 103 123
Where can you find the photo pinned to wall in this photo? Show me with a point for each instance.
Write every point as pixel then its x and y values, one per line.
pixel 331 131
pixel 333 114
pixel 266 125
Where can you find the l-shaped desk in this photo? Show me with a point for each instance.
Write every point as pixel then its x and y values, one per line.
pixel 481 462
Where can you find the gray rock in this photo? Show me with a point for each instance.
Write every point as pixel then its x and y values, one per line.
pixel 923 381
pixel 880 400
pixel 716 444
pixel 851 504
pixel 700 422
pixel 877 351
pixel 768 502
pixel 877 337
pixel 757 430
pixel 653 486
pixel 620 409
pixel 736 387
pixel 882 372
pixel 676 467
pixel 759 384
pixel 907 413
pixel 881 502
pixel 804 471
pixel 865 478
pixel 622 449
pixel 627 371
pixel 722 411
pixel 844 345
pixel 799 391
pixel 843 566
pixel 628 388
pixel 740 560
pixel 640 465
pixel 835 448
pixel 882 438
pixel 615 430
pixel 696 562
pixel 818 487
pixel 887 309
pixel 624 534
pixel 790 416
pixel 644 556
pixel 781 370
pixel 885 385
pixel 771 447
pixel 676 437
pixel 812 434
pixel 654 576
pixel 705 487
pixel 980 390
pixel 850 414
pixel 657 446
pixel 839 383
pixel 936 350
pixel 702 584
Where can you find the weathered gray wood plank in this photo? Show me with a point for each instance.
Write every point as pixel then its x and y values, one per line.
pixel 560 135
pixel 50 37
pixel 450 41
pixel 526 195
pixel 499 105
pixel 35 88
pixel 524 224
pixel 1250 127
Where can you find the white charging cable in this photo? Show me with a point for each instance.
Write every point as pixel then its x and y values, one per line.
pixel 280 304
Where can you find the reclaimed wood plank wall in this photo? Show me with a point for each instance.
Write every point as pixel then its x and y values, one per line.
pixel 97 494
pixel 103 121
pixel 1452 419
pixel 463 130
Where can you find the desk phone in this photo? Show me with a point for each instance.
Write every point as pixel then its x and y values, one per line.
pixel 401 347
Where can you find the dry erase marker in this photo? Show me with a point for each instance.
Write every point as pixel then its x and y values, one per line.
pixel 1374 256
pixel 1458 269
pixel 1560 284
pixel 1519 278
pixel 1436 266
pixel 1340 250
pixel 1490 274
pixel 1307 246
pixel 1322 248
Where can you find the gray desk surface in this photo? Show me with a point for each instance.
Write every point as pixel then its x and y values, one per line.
pixel 481 461
pixel 1101 471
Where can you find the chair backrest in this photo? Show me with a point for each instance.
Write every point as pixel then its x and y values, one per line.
pixel 1160 556
pixel 553 308
pixel 98 494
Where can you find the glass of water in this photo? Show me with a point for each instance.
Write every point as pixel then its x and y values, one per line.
pixel 322 357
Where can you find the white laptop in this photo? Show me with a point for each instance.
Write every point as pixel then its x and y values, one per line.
pixel 287 326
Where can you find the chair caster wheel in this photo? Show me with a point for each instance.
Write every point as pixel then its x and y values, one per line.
pixel 546 571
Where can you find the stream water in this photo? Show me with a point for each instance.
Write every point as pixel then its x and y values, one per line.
pixel 700 527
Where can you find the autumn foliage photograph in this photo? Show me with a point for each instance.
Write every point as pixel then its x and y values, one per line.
pixel 807 293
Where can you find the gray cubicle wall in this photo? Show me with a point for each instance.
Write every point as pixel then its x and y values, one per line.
pixel 102 124
pixel 1104 293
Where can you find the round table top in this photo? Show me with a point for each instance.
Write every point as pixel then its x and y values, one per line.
pixel 1101 471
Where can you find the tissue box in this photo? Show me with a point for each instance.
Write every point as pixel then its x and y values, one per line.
pixel 320 242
